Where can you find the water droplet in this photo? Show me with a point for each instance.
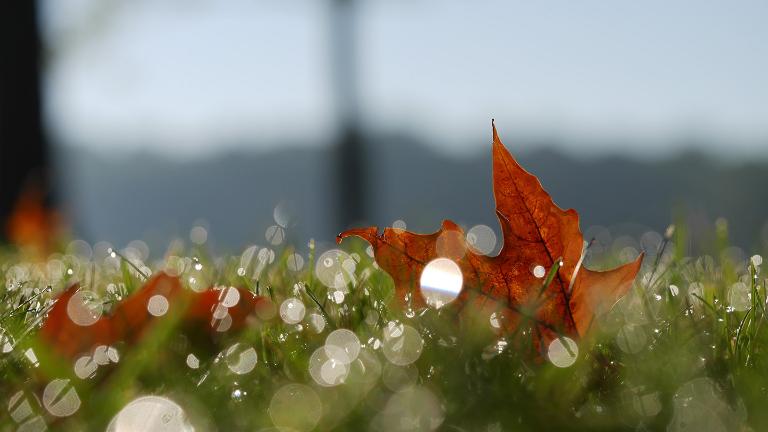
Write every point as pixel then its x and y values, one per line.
pixel 150 413
pixel 295 407
pixel 338 297
pixel 441 282
pixel 192 361
pixel 6 341
pixel 495 320
pixel 60 398
pixel 275 235
pixel 317 322
pixel 198 235
pixel 342 345
pixel 229 297
pixel 326 371
pixel 335 269
pixel 241 358
pixel 292 311
pixel 157 305
pixel 84 308
pixel 85 367
pixel 402 344
pixel 739 296
pixel 295 262
pixel 238 394
pixel 539 271
pixel 561 355
pixel 481 239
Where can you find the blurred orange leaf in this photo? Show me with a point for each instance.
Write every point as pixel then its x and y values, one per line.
pixel 73 327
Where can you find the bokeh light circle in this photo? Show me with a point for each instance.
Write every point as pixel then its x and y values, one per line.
pixel 295 407
pixel 563 352
pixel 151 413
pixel 402 344
pixel 441 282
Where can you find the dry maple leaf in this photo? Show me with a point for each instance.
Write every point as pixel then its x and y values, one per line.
pixel 535 232
pixel 71 329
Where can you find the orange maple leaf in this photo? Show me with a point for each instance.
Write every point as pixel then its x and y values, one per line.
pixel 535 232
pixel 213 309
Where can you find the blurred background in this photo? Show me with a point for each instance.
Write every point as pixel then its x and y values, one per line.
pixel 145 119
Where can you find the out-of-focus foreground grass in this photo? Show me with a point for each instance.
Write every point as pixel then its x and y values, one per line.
pixel 685 350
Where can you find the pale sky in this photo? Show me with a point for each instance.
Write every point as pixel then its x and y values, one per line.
pixel 197 76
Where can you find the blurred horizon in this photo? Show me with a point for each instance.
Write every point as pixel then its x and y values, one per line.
pixel 191 79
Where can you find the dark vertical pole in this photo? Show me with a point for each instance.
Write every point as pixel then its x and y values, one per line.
pixel 349 155
pixel 23 150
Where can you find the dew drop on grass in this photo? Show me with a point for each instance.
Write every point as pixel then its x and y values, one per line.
pixel 240 358
pixel 342 345
pixel 6 342
pixel 192 361
pixel 335 269
pixel 150 413
pixel 19 406
pixel 646 404
pixel 695 291
pixel 60 398
pixel 295 262
pixel 295 407
pixel 316 322
pixel 100 355
pixel 495 320
pixel 739 296
pixel 441 282
pixel 292 311
pixel 326 371
pixel 275 235
pixel 84 308
pixel 157 305
pixel 338 297
pixel 562 352
pixel 539 271
pixel 229 297
pixel 402 345
pixel 85 367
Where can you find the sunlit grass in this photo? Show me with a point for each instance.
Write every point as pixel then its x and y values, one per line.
pixel 683 351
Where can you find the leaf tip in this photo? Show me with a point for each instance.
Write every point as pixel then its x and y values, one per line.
pixel 367 234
